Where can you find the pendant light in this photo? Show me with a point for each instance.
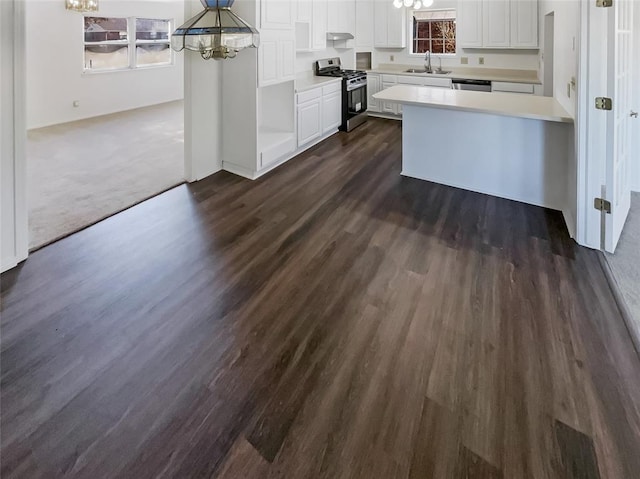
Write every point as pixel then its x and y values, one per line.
pixel 216 32
pixel 82 5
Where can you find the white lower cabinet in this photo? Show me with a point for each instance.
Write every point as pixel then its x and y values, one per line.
pixel 373 87
pixel 331 111
pixel 319 111
pixel 309 124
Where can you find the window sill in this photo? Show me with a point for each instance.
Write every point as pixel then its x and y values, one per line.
pixel 128 69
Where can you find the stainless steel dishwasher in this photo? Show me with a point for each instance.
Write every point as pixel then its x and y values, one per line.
pixel 474 85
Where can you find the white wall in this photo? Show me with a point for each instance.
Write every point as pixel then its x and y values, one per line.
pixel 55 77
pixel 635 171
pixel 501 59
pixel 567 18
pixel 305 60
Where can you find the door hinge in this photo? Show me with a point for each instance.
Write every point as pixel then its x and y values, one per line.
pixel 604 103
pixel 604 3
pixel 602 205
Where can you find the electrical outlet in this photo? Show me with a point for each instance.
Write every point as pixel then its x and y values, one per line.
pixel 392 58
pixel 464 60
pixel 76 103
pixel 481 61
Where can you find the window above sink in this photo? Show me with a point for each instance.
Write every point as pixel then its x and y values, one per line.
pixel 433 30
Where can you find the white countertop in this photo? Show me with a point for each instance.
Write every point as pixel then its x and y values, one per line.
pixel 311 82
pixel 496 103
pixel 492 74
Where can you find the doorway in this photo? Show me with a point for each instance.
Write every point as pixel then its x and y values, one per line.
pixel 112 135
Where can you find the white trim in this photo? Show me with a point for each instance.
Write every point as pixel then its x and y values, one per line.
pixel 17 224
pixel 590 123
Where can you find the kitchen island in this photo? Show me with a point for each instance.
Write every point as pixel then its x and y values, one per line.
pixel 518 147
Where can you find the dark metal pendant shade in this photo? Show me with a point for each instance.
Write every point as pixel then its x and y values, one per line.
pixel 216 32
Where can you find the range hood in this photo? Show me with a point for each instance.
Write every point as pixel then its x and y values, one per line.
pixel 339 36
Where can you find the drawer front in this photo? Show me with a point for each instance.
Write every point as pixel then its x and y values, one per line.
pixel 512 87
pixel 389 79
pixel 309 95
pixel 407 80
pixel 333 88
pixel 438 82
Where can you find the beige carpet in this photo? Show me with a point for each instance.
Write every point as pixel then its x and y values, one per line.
pixel 85 171
pixel 625 263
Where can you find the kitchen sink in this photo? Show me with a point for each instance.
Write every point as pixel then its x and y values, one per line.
pixel 422 70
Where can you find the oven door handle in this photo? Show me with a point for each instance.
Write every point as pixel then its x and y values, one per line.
pixel 356 87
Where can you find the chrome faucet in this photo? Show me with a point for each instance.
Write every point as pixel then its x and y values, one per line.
pixel 427 62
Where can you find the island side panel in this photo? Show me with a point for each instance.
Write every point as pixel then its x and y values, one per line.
pixel 514 158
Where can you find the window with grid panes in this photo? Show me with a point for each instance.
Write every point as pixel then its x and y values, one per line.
pixel 435 31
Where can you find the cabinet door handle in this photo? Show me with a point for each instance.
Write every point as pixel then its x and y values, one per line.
pixel 633 114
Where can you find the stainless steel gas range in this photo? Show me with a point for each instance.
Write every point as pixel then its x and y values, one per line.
pixel 354 91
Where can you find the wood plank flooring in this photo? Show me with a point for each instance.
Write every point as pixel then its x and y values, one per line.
pixel 330 320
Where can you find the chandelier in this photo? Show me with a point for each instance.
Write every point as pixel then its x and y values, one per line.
pixel 216 32
pixel 415 4
pixel 82 5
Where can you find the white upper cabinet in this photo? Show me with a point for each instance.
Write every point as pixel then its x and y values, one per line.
pixel 276 57
pixel 390 25
pixel 364 23
pixel 276 14
pixel 497 23
pixel 341 16
pixel 303 11
pixel 469 22
pixel 311 25
pixel 319 24
pixel 524 24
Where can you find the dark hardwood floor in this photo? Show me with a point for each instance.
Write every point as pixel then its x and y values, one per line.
pixel 330 320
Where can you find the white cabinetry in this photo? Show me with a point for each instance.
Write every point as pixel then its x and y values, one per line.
pixel 524 88
pixel 319 24
pixel 390 26
pixel 331 108
pixel 377 82
pixel 498 24
pixel 469 21
pixel 259 131
pixel 276 14
pixel 311 25
pixel 373 87
pixel 341 16
pixel 524 29
pixel 319 111
pixel 364 23
pixel 276 57
pixel 309 116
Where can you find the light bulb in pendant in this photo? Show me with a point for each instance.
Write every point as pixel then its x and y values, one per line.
pixel 397 3
pixel 417 5
pixel 408 3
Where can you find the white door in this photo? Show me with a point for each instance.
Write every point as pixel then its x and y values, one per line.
pixel 620 68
